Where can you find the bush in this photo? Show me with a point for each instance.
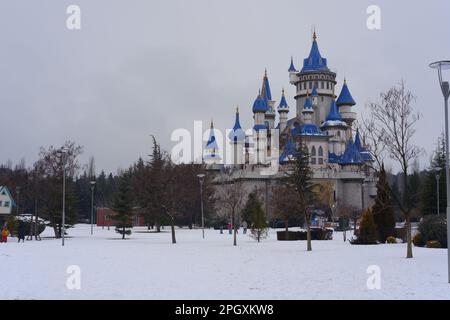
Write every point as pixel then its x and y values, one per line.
pixel 418 240
pixel 316 234
pixel 367 230
pixel 434 228
pixel 391 240
pixel 434 244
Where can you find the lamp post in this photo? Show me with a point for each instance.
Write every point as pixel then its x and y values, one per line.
pixel 201 178
pixel 445 87
pixel 92 206
pixel 62 153
pixel 437 171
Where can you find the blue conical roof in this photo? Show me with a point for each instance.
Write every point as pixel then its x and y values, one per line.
pixel 358 143
pixel 334 114
pixel 292 67
pixel 345 98
pixel 283 104
pixel 237 134
pixel 260 105
pixel 265 90
pixel 351 155
pixel 314 92
pixel 289 152
pixel 212 143
pixel 315 62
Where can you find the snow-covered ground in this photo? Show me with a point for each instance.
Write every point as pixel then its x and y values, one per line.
pixel 148 266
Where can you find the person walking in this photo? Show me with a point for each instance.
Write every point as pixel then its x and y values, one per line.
pixel 244 226
pixel 5 233
pixel 21 231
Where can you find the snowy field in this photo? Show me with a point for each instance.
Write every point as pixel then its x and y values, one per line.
pixel 148 266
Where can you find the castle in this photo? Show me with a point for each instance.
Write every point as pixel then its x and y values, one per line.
pixel 325 125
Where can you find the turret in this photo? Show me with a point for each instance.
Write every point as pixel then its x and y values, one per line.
pixel 211 154
pixel 336 128
pixel 283 110
pixel 237 141
pixel 267 96
pixel 345 103
pixel 292 72
pixel 308 111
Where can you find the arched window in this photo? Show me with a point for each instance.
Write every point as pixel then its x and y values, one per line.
pixel 313 155
pixel 339 134
pixel 320 155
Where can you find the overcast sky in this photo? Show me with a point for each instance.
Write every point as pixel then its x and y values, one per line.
pixel 139 67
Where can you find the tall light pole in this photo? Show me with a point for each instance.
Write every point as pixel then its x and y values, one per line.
pixel 437 171
pixel 201 177
pixel 445 87
pixel 92 206
pixel 62 153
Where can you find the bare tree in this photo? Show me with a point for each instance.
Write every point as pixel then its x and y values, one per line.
pixel 371 136
pixel 395 118
pixel 231 197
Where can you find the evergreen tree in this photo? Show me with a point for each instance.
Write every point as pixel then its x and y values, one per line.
pixel 367 229
pixel 252 202
pixel 429 192
pixel 383 211
pixel 259 226
pixel 299 178
pixel 123 205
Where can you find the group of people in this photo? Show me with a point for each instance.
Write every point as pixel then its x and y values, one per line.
pixel 20 232
pixel 244 226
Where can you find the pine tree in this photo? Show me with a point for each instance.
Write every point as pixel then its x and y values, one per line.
pixel 367 229
pixel 123 205
pixel 252 202
pixel 300 180
pixel 429 186
pixel 383 210
pixel 259 226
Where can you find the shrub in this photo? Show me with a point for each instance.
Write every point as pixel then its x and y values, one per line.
pixel 367 230
pixel 434 228
pixel 391 240
pixel 418 240
pixel 433 244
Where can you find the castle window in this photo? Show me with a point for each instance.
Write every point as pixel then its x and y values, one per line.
pixel 310 85
pixel 313 160
pixel 322 85
pixel 328 85
pixel 320 152
pixel 313 151
pixel 339 134
pixel 316 85
pixel 320 160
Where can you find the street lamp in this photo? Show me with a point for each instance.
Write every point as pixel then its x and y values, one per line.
pixel 445 87
pixel 92 206
pixel 62 153
pixel 437 171
pixel 201 178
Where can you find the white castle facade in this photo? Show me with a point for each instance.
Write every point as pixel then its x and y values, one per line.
pixel 322 122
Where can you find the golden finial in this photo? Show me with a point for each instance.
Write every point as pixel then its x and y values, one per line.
pixel 282 91
pixel 265 72
pixel 237 108
pixel 212 124
pixel 345 80
pixel 314 34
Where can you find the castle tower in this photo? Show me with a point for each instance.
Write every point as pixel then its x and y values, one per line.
pixel 308 111
pixel 260 128
pixel 237 141
pixel 345 103
pixel 314 74
pixel 211 153
pixel 267 96
pixel 336 128
pixel 292 71
pixel 283 110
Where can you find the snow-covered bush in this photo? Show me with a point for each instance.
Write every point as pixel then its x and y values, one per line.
pixel 391 240
pixel 434 244
pixel 434 228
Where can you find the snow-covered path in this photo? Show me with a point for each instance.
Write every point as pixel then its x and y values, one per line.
pixel 148 266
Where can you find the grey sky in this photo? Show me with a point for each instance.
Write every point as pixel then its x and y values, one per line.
pixel 140 67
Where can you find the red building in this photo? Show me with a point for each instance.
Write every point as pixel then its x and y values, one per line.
pixel 105 218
